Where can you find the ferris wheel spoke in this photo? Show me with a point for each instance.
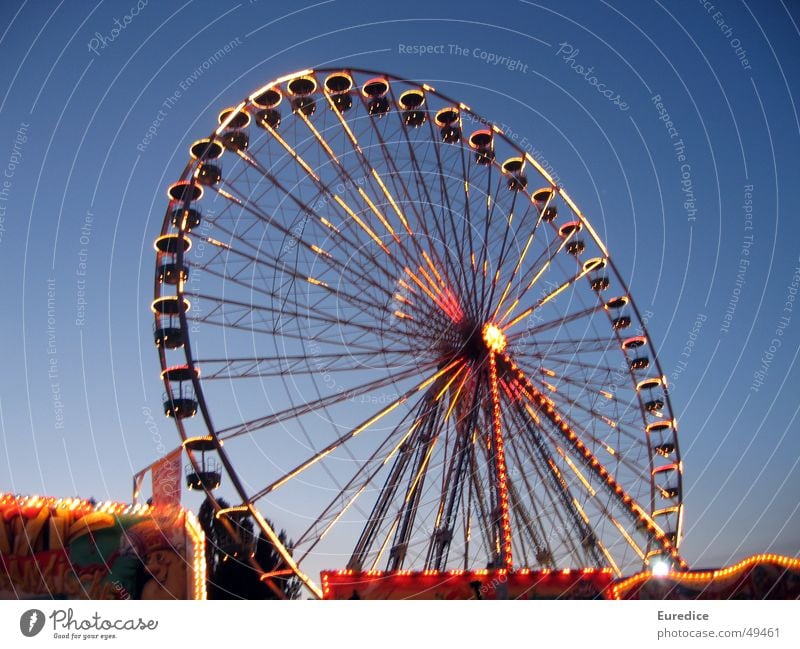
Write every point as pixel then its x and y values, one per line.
pixel 439 269
pixel 363 304
pixel 327 450
pixel 571 405
pixel 453 481
pixel 615 427
pixel 544 300
pixel 371 172
pixel 422 190
pixel 576 386
pixel 532 524
pixel 542 264
pixel 503 250
pixel 347 211
pixel 351 185
pixel 411 458
pixel 284 307
pixel 277 262
pixel 548 503
pixel 580 405
pixel 236 311
pixel 425 198
pixel 572 383
pixel 467 231
pixel 230 313
pixel 230 192
pixel 571 520
pixel 262 366
pixel 401 189
pixel 545 325
pixel 578 524
pixel 429 280
pixel 621 413
pixel 573 442
pixel 237 274
pixel 593 370
pixel 518 265
pixel 544 349
pixel 477 495
pixel 366 166
pixel 441 148
pixel 329 260
pixel 484 261
pixel 524 252
pixel 308 337
pixel 296 411
pixel 361 479
pixel 333 233
pixel 443 299
pixel 594 498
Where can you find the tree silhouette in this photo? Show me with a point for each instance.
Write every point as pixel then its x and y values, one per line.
pixel 229 573
pixel 269 559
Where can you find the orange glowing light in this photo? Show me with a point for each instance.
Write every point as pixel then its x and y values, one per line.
pixel 494 337
pixel 500 464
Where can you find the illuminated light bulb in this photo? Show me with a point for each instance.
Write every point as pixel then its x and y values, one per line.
pixel 659 568
pixel 494 337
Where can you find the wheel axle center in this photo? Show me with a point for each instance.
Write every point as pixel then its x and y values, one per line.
pixel 494 337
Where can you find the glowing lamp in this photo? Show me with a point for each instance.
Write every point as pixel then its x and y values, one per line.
pixel 494 337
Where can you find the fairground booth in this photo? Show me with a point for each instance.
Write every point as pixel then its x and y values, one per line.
pixel 67 548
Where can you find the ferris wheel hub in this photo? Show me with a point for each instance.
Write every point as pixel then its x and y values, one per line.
pixel 478 340
pixel 494 337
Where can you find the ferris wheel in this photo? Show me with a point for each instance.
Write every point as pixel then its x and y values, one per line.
pixel 392 333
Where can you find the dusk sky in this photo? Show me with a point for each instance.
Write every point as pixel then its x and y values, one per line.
pixel 674 126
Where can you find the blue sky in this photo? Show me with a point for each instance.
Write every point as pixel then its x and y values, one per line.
pixel 679 204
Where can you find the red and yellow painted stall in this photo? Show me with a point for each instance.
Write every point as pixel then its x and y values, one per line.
pixel 73 549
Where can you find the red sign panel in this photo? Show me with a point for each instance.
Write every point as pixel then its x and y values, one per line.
pixel 167 480
pixel 459 584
